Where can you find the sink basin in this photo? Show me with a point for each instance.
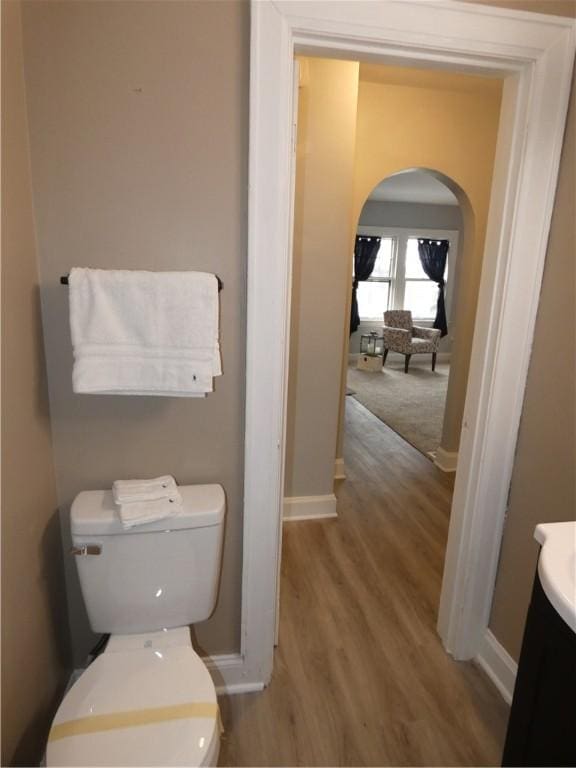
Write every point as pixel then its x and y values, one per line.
pixel 557 567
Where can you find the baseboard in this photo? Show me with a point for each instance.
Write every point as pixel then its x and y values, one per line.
pixel 228 675
pixel 444 460
pixel 500 667
pixel 309 507
pixel 339 469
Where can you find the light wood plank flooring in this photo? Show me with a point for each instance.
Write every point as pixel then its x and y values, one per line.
pixel 360 677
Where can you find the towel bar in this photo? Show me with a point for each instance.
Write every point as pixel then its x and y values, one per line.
pixel 64 281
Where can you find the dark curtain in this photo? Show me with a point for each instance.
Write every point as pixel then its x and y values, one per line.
pixel 365 250
pixel 433 255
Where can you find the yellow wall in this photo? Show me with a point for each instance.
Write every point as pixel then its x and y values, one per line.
pixel 35 658
pixel 449 124
pixel 322 237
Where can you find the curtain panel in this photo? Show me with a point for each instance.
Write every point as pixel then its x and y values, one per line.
pixel 433 255
pixel 365 252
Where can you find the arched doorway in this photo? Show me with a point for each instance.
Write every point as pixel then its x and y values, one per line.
pixel 407 211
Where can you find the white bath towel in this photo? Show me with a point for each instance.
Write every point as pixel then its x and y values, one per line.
pixel 138 332
pixel 141 512
pixel 125 491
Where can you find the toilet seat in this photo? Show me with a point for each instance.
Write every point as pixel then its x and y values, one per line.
pixel 153 704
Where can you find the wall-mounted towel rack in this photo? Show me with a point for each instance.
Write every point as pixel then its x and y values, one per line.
pixel 64 281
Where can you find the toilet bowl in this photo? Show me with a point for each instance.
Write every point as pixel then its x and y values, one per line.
pixel 147 699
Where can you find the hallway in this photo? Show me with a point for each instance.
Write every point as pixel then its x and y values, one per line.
pixel 360 676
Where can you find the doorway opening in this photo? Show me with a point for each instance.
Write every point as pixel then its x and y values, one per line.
pixel 534 55
pixel 410 220
pixel 344 111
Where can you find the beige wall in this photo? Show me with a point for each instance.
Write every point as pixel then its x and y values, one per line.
pixel 157 178
pixel 139 125
pixel 321 274
pixel 552 7
pixel 35 658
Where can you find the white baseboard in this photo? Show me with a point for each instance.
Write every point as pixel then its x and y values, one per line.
pixel 500 667
pixel 339 469
pixel 309 507
pixel 227 671
pixel 445 460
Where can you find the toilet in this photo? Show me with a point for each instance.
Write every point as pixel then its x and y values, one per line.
pixel 148 698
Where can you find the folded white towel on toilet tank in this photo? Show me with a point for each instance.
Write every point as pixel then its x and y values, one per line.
pixel 140 512
pixel 126 491
pixel 143 501
pixel 146 333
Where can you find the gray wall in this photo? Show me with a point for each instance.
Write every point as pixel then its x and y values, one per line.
pixel 389 214
pixel 35 653
pixel 138 128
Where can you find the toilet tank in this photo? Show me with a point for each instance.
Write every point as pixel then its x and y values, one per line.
pixel 154 576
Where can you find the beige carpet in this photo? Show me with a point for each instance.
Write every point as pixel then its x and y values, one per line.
pixel 412 404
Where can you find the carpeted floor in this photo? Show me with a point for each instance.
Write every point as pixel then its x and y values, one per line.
pixel 412 404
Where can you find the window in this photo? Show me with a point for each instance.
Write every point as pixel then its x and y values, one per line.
pixel 398 280
pixel 420 293
pixel 374 293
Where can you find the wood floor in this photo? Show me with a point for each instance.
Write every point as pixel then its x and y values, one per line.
pixel 360 677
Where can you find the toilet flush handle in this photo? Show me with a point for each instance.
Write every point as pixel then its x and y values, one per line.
pixel 86 549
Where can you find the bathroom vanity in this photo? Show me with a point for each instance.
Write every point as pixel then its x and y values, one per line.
pixel 542 725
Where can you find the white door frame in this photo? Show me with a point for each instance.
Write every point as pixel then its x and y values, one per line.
pixel 535 54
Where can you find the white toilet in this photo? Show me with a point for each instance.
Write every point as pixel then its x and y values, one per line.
pixel 147 699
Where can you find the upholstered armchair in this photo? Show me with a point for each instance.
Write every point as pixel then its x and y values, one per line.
pixel 399 335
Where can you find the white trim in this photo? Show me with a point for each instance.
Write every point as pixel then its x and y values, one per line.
pixel 535 53
pixel 445 460
pixel 523 189
pixel 266 367
pixel 227 672
pixel 339 469
pixel 309 507
pixel 500 667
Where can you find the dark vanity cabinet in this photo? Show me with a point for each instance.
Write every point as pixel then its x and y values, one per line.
pixel 542 725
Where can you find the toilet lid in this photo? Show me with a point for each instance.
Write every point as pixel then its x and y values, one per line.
pixel 143 707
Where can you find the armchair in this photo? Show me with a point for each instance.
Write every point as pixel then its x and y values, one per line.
pixel 400 335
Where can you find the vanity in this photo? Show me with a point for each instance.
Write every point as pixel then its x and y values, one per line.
pixel 542 724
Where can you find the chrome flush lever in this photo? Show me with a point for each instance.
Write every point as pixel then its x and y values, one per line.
pixel 86 549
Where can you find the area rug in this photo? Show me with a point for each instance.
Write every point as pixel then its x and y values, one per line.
pixel 412 404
